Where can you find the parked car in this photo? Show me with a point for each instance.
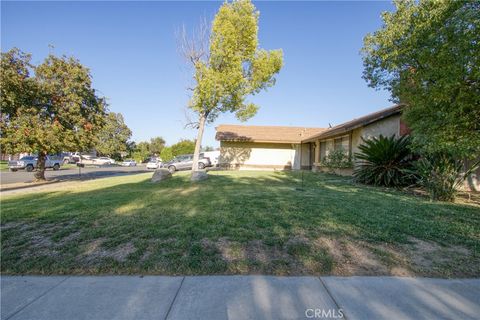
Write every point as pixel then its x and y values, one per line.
pixel 154 164
pixel 29 163
pixel 129 163
pixel 214 156
pixel 72 157
pixel 185 162
pixel 103 160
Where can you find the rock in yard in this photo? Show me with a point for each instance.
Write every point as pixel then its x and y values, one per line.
pixel 199 175
pixel 161 174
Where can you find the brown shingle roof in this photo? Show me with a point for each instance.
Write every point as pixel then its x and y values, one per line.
pixel 275 134
pixel 356 123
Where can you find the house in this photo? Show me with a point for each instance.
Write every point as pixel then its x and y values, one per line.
pixel 348 136
pixel 275 147
pixel 264 147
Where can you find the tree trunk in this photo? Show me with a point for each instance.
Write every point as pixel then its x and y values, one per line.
pixel 198 143
pixel 40 173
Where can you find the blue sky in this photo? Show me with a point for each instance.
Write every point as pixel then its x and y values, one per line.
pixel 130 48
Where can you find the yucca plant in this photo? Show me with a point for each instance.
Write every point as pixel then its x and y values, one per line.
pixel 441 175
pixel 384 161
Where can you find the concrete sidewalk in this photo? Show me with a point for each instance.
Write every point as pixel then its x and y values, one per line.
pixel 237 297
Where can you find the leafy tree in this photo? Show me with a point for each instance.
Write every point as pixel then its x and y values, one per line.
pixel 141 152
pixel 427 54
pixel 53 110
pixel 234 68
pixel 183 147
pixel 156 145
pixel 131 146
pixel 113 137
pixel 166 154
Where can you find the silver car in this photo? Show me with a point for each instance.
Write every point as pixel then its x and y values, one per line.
pixel 185 162
pixel 29 163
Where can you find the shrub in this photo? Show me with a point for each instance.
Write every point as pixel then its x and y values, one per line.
pixel 441 175
pixel 384 161
pixel 337 159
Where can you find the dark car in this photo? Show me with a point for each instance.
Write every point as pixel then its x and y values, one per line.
pixel 185 162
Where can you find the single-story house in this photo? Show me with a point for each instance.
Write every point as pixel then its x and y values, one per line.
pixel 275 147
pixel 348 136
pixel 264 147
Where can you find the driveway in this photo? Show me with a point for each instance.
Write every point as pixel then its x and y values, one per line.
pixel 237 297
pixel 22 176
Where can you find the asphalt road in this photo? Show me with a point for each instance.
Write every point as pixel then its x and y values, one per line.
pixel 20 176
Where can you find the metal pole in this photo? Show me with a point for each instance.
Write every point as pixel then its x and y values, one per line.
pixel 301 158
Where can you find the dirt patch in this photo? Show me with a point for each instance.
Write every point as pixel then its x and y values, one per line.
pixel 427 254
pixel 230 251
pixel 94 251
pixel 40 245
pixel 257 251
pixel 256 257
pixel 360 258
pixel 122 252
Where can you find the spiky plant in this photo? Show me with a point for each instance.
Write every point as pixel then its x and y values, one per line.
pixel 384 161
pixel 441 175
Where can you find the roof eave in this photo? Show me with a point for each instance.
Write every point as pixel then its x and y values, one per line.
pixel 260 141
pixel 339 131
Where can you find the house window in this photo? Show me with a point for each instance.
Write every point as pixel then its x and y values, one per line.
pixel 337 144
pixel 340 144
pixel 323 150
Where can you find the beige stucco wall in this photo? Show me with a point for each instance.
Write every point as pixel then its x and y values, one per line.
pixel 254 155
pixel 251 155
pixel 386 127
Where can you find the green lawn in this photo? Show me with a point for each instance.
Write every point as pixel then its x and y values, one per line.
pixel 3 165
pixel 236 223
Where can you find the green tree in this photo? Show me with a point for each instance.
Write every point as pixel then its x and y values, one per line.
pixel 184 146
pixel 166 154
pixel 113 137
pixel 233 69
pixel 55 109
pixel 141 152
pixel 427 54
pixel 156 145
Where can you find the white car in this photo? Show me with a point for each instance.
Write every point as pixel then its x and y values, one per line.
pixel 129 163
pixel 103 160
pixel 154 164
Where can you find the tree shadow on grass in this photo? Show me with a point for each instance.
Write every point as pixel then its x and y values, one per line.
pixel 235 222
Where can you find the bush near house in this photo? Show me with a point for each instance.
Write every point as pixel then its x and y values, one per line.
pixel 385 161
pixel 389 162
pixel 441 175
pixel 337 159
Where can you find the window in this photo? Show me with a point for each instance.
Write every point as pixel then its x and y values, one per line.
pixel 337 144
pixel 340 144
pixel 323 150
